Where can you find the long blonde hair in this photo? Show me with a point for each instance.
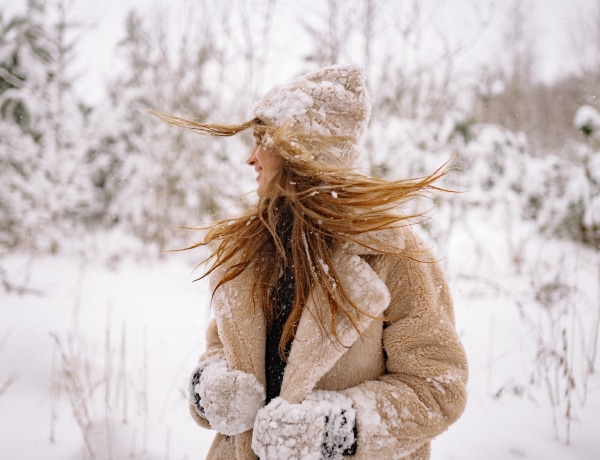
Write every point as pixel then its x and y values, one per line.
pixel 318 206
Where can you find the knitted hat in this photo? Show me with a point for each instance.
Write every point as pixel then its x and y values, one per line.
pixel 332 101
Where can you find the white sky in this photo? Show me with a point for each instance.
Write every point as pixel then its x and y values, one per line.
pixel 552 23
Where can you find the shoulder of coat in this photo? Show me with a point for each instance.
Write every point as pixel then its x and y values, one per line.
pixel 393 239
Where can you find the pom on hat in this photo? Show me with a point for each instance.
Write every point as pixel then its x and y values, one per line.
pixel 332 101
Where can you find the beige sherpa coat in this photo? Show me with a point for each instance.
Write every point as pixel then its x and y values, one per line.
pixel 406 375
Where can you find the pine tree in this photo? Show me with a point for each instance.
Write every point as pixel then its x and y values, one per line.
pixel 45 190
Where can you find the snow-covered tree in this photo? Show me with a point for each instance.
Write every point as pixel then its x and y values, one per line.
pixel 158 178
pixel 45 189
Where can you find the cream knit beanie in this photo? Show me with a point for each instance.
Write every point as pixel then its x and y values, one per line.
pixel 332 101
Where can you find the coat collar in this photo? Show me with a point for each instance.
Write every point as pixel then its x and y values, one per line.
pixel 314 350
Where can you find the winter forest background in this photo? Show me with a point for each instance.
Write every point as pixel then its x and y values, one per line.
pixel 99 326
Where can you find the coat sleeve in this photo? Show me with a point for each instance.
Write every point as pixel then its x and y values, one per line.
pixel 423 390
pixel 214 351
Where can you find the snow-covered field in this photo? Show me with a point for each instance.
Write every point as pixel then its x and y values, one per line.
pixel 107 344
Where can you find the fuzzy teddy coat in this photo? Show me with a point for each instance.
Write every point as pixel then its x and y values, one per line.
pixel 406 375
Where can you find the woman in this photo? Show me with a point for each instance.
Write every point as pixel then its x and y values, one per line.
pixel 333 331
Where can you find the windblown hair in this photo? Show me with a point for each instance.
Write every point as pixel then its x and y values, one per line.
pixel 317 207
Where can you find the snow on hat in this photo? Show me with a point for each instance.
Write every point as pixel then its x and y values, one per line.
pixel 332 101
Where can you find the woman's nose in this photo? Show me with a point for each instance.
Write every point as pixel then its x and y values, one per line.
pixel 251 158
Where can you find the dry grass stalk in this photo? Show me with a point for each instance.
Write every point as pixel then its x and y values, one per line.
pixel 77 393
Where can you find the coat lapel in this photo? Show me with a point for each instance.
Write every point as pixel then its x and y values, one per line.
pixel 241 325
pixel 315 350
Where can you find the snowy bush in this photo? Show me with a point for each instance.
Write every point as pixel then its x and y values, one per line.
pixel 569 197
pixel 587 120
pixel 496 171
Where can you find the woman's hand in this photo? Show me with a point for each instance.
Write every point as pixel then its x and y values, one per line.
pixel 322 426
pixel 229 400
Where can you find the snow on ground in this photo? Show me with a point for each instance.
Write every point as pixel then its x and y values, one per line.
pixel 163 314
pixel 91 302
